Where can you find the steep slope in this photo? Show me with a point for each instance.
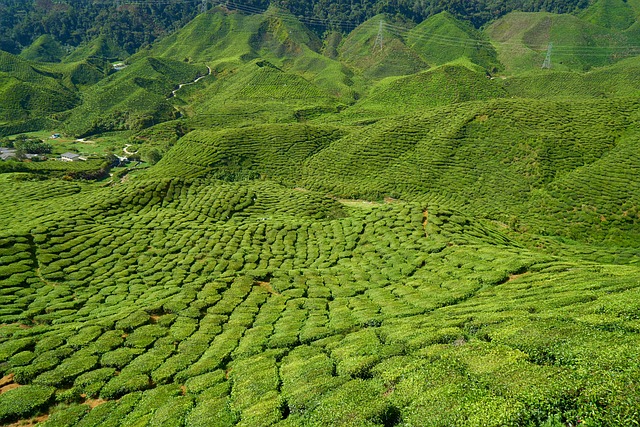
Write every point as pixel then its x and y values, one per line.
pixel 102 47
pixel 614 14
pixel 269 151
pixel 258 92
pixel 44 49
pixel 522 40
pixel 442 38
pixel 133 98
pixel 447 84
pixel 218 36
pixel 29 93
pixel 229 40
pixel 391 57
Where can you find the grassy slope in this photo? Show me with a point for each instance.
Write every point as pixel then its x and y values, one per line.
pixel 100 47
pixel 442 38
pixel 393 59
pixel 522 40
pixel 614 14
pixel 132 98
pixel 447 84
pixel 267 150
pixel 620 79
pixel 482 146
pixel 44 49
pixel 266 68
pixel 28 91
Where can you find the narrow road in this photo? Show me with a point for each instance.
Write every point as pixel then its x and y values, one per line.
pixel 126 150
pixel 180 86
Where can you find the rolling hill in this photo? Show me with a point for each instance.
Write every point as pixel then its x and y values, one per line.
pixel 523 38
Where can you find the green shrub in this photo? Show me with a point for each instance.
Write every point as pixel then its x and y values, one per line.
pixel 67 417
pixel 124 384
pixel 70 368
pixel 212 413
pixel 200 383
pixel 91 382
pixel 24 401
pixel 120 357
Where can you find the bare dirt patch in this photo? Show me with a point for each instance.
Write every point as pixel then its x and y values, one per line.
pixel 513 277
pixel 7 383
pixel 267 286
pixel 425 221
pixel 389 391
pixel 92 403
pixel 30 422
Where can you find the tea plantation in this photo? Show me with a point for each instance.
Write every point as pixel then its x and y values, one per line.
pixel 431 232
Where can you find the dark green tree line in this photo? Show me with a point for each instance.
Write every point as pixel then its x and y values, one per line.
pixel 135 24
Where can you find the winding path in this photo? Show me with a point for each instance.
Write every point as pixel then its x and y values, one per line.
pixel 126 149
pixel 180 86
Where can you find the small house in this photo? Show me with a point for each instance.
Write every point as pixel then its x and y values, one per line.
pixel 55 136
pixel 70 157
pixel 7 153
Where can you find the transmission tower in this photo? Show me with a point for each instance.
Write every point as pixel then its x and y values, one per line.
pixel 379 38
pixel 547 60
pixel 203 6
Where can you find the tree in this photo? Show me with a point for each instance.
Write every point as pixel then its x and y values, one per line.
pixel 24 144
pixel 151 155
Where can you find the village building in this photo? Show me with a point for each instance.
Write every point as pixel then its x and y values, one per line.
pixel 7 153
pixel 71 157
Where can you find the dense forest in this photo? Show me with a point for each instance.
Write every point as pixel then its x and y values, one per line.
pixel 132 24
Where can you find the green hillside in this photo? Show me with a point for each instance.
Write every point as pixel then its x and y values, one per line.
pixel 44 49
pixel 29 94
pixel 444 85
pixel 620 79
pixel 271 151
pixel 442 38
pixel 99 47
pixel 522 39
pixel 614 14
pixel 133 98
pixel 396 224
pixel 390 58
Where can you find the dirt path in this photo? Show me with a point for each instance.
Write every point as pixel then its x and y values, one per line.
pixel 180 86
pixel 425 221
pixel 126 150
pixel 267 286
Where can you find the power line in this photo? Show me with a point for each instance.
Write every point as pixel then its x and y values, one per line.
pixel 379 39
pixel 547 60
pixel 451 41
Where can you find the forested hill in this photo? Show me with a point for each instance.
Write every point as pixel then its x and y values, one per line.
pixel 136 23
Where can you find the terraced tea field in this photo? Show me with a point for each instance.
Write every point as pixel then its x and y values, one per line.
pixel 422 230
pixel 202 302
